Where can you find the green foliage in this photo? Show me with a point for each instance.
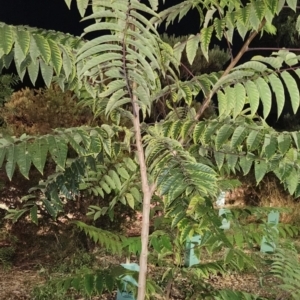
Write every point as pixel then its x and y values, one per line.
pixel 6 84
pixel 6 256
pixel 35 50
pixel 110 241
pixel 217 57
pixel 285 266
pixel 121 73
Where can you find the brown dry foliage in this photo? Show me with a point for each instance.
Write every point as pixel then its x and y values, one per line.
pixel 37 112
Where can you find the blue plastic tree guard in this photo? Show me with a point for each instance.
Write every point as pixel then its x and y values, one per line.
pixel 124 294
pixel 190 257
pixel 268 245
pixel 225 223
pixel 221 199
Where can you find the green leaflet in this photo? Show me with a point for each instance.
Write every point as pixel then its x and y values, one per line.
pixel 219 27
pixel 292 181
pixel 106 143
pixel 154 4
pixel 243 14
pixel 223 134
pixel 47 73
pixel 284 142
pixel 232 161
pixel 219 158
pixel 7 59
pixel 109 181
pixel 252 64
pixel 130 200
pixel 89 283
pixel 2 155
pixel 260 169
pixel 6 38
pixel 231 100
pixel 123 173
pixel 222 104
pixel 11 161
pixel 254 139
pixel 67 63
pixel 259 8
pixel 272 5
pixel 68 2
pixel 241 28
pixel 175 129
pixel 136 194
pixel 265 95
pixel 278 89
pixel 240 97
pixel 210 130
pixel 192 47
pixel 33 71
pixel 291 59
pixel 33 214
pixel 186 128
pixel 253 96
pixel 130 164
pixel 205 37
pixel 23 40
pixel 43 47
pixel 253 17
pixel 99 280
pixel 209 16
pixel 292 4
pixel 246 164
pixel 58 150
pixel 19 55
pixel 23 159
pixel 82 6
pixel 56 57
pixel 49 207
pixel 238 136
pixel 21 69
pixel 178 50
pixel 75 143
pixel 293 90
pixel 169 182
pixel 269 146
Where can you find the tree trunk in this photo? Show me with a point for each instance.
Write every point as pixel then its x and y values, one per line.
pixel 147 190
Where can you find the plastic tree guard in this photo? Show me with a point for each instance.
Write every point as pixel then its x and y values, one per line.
pixel 124 294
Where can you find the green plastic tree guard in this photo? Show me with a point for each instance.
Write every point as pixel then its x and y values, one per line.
pixel 124 294
pixel 190 257
pixel 268 245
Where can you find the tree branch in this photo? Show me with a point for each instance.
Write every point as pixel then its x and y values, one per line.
pixel 229 68
pixel 272 49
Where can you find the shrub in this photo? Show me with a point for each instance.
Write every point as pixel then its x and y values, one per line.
pixel 37 112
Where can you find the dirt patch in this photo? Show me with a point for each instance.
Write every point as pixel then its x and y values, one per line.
pixel 17 284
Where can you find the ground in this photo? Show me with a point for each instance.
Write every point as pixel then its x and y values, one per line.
pixel 41 255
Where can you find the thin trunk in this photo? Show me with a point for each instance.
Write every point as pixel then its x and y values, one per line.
pixel 147 195
pixel 147 189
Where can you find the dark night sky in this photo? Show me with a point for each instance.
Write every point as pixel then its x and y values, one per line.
pixel 48 14
pixel 54 14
